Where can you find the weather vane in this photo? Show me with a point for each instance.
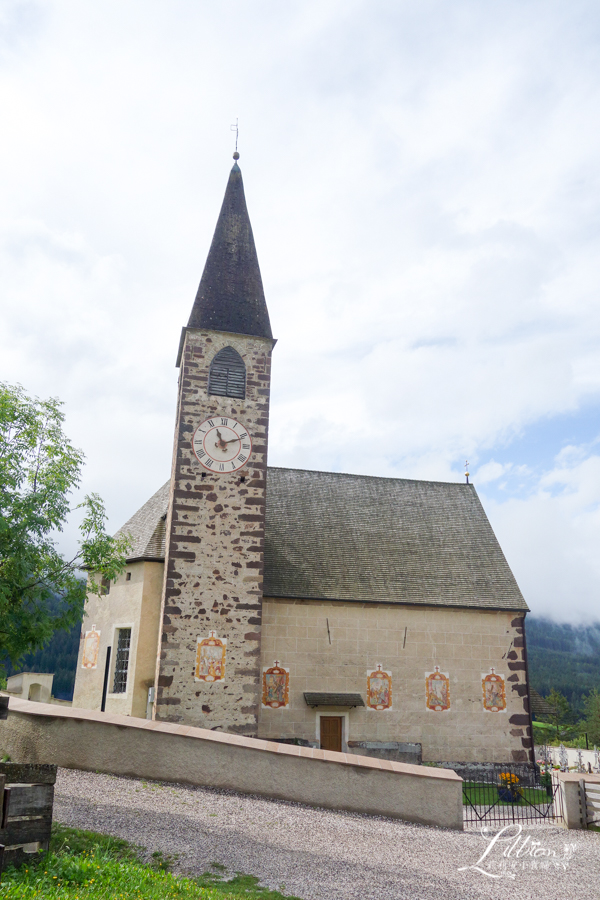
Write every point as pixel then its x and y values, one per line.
pixel 467 470
pixel 235 128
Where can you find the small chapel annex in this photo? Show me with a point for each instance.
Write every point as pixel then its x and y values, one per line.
pixel 377 616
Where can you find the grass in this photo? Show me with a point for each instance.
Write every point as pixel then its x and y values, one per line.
pixel 83 865
pixel 481 794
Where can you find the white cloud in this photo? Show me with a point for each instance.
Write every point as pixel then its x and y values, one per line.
pixel 551 539
pixel 422 182
pixel 490 471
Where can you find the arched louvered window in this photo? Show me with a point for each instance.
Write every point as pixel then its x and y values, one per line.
pixel 227 376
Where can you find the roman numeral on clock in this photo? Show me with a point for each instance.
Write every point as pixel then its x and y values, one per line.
pixel 228 458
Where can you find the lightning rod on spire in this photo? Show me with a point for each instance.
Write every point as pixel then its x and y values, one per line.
pixel 235 128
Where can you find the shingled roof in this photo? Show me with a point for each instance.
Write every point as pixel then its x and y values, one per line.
pixel 146 528
pixel 231 295
pixel 353 537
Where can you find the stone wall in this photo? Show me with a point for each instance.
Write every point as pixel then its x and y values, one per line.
pixel 331 645
pixel 215 542
pixel 96 742
pixel 31 686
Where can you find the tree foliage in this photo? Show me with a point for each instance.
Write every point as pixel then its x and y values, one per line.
pixel 592 716
pixel 39 470
pixel 564 657
pixel 562 714
pixel 58 657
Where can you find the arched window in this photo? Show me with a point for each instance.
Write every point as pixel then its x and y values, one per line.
pixel 227 376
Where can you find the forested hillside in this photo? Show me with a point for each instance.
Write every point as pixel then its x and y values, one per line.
pixel 58 656
pixel 564 657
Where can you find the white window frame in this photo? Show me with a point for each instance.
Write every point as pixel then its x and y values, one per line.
pixel 120 695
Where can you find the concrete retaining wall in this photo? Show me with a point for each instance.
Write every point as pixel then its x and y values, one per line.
pixel 569 786
pixel 141 748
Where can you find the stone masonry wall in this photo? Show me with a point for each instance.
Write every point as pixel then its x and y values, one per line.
pixel 330 646
pixel 215 543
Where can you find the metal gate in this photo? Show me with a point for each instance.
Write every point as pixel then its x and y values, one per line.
pixel 501 795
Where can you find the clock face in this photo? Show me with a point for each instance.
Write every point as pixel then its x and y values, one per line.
pixel 221 444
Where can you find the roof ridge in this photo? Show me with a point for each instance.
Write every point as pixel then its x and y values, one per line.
pixel 372 477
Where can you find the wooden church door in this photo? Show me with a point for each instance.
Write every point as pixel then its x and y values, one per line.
pixel 331 733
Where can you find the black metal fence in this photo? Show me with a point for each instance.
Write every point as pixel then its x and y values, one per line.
pixel 500 795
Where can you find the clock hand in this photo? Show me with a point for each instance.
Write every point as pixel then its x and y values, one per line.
pixel 220 444
pixel 223 444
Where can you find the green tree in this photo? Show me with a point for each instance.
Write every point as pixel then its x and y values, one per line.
pixel 592 716
pixel 39 469
pixel 562 714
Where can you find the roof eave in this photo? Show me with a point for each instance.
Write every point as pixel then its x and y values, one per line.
pixel 135 559
pixel 416 603
pixel 187 328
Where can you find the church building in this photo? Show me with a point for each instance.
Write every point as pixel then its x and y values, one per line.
pixel 376 616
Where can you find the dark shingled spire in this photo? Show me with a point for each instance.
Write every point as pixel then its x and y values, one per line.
pixel 231 295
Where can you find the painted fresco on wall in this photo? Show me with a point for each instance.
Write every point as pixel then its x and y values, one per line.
pixel 379 689
pixel 494 692
pixel 437 690
pixel 91 646
pixel 210 658
pixel 276 687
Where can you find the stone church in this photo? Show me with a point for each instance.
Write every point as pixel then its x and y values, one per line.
pixel 376 616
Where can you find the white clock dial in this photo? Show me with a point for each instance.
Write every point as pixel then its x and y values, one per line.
pixel 221 444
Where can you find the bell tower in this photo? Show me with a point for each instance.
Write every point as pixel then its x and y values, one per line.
pixel 208 666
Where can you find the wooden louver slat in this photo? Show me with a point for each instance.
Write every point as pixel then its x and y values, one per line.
pixel 227 376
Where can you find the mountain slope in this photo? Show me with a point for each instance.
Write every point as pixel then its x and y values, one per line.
pixel 565 657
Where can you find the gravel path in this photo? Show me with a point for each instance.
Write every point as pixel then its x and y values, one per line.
pixel 319 854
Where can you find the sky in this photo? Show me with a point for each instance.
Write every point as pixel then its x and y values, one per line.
pixel 422 179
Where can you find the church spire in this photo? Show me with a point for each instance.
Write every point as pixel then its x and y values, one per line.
pixel 231 295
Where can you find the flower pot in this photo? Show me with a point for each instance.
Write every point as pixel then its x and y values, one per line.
pixel 508 795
